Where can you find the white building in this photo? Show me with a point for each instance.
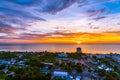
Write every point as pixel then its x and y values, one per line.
pixel 78 78
pixel 60 74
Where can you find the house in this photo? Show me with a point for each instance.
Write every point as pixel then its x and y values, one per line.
pixel 13 61
pixel 78 78
pixel 45 70
pixel 108 69
pixel 4 62
pixel 19 55
pixel 47 63
pixel 60 74
pixel 11 74
pixel 95 62
pixel 103 66
pixel 5 70
pixel 62 55
pixel 21 63
pixel 47 67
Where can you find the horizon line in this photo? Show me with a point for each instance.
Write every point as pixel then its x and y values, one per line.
pixel 64 43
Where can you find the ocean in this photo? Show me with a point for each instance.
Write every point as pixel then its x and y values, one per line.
pixel 91 48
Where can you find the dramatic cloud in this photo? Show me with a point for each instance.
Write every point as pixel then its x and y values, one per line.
pixel 49 20
pixel 5 28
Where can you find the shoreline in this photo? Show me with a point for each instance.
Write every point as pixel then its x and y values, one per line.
pixel 57 52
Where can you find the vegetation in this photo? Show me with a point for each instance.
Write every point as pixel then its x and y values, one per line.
pixel 2 66
pixel 74 55
pixel 35 65
pixel 27 73
pixel 7 55
pixel 72 66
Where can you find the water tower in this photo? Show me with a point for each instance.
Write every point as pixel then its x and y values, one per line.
pixel 79 50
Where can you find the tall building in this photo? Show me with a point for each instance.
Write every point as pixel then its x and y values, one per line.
pixel 79 50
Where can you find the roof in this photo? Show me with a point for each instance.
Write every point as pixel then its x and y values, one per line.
pixel 78 77
pixel 47 63
pixel 60 73
pixel 63 55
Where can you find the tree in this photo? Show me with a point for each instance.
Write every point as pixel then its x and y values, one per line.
pixel 2 66
pixel 79 69
pixel 57 79
pixel 28 73
pixel 115 74
pixel 102 72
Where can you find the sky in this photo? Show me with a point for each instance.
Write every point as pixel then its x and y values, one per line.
pixel 60 21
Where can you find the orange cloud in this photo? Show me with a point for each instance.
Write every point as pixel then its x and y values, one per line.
pixel 82 37
pixel 72 38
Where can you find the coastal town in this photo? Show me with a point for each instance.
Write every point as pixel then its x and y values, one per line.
pixel 59 66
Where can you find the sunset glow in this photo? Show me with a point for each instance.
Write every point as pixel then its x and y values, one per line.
pixel 78 42
pixel 60 22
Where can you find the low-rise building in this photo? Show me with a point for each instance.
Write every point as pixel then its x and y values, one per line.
pixel 60 74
